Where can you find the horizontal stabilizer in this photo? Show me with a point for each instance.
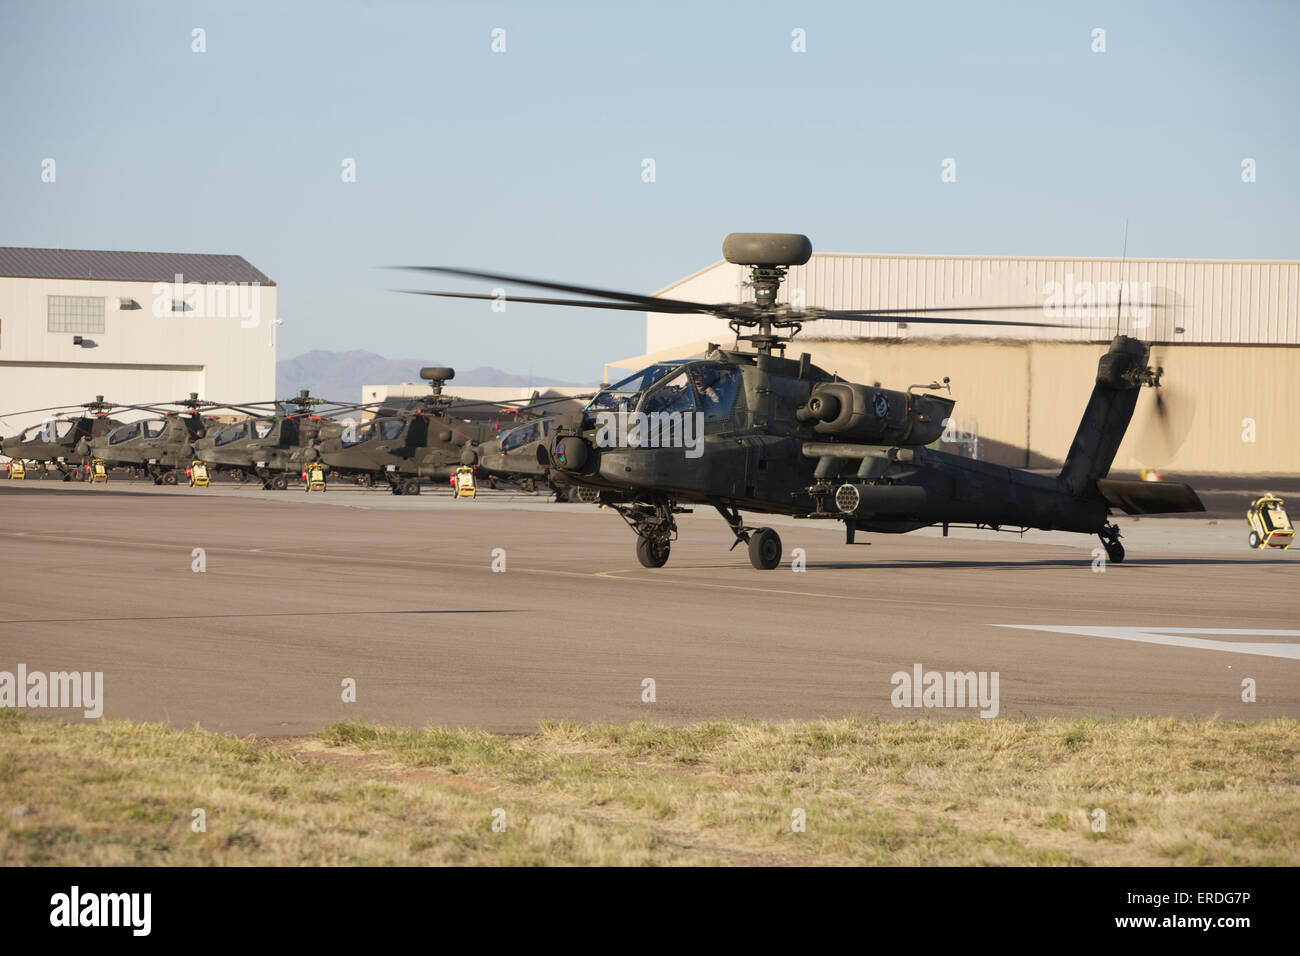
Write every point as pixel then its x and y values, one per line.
pixel 1135 497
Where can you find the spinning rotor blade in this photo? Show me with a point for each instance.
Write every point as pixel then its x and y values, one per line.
pixel 895 316
pixel 584 303
pixel 652 303
pixel 918 316
pixel 1167 425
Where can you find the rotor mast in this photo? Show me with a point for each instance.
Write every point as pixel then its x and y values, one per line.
pixel 768 256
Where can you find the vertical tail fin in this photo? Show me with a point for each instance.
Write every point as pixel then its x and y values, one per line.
pixel 1120 374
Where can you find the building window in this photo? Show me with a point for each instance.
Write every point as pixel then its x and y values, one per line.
pixel 76 313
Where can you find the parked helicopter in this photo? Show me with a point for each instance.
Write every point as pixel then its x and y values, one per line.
pixel 160 446
pixel 274 443
pixel 422 440
pixel 754 431
pixel 512 457
pixel 60 440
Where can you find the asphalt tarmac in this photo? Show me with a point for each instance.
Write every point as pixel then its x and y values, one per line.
pixel 299 594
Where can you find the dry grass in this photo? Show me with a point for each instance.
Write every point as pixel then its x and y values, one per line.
pixel 874 792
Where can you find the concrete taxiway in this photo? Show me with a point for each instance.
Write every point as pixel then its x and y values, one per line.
pixel 299 593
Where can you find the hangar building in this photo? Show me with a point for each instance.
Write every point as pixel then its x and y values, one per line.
pixel 1227 334
pixel 131 326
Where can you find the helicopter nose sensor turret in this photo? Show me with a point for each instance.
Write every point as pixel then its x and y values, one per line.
pixel 571 453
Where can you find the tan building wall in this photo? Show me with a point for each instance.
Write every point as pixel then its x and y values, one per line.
pixel 1234 364
pixel 1025 399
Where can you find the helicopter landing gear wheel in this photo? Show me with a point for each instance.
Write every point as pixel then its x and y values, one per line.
pixel 1110 541
pixel 279 483
pixel 169 478
pixel 411 486
pixel 655 525
pixel 764 549
pixel 653 552
pixel 764 543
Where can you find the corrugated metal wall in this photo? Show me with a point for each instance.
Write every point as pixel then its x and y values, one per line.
pixel 1211 301
pixel 1232 372
pixel 1229 409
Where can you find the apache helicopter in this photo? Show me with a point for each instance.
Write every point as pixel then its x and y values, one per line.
pixel 59 440
pixel 274 447
pixel 159 446
pixel 402 446
pixel 756 431
pixel 513 456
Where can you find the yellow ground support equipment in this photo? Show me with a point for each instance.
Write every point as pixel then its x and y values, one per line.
pixel 199 474
pixel 97 470
pixel 17 470
pixel 1269 525
pixel 466 487
pixel 315 477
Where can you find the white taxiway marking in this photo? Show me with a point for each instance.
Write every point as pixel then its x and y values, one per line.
pixel 1173 636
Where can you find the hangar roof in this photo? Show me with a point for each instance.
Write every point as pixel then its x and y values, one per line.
pixel 19 262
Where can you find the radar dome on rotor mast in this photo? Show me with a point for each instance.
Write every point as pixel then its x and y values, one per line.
pixel 437 374
pixel 767 249
pixel 767 255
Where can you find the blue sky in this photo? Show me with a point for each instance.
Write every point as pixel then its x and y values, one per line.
pixel 529 161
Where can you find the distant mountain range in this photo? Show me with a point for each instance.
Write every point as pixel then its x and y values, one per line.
pixel 340 375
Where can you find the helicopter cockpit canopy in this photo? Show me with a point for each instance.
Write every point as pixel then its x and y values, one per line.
pixel 149 428
pixel 524 434
pixel 262 427
pixel 48 431
pixel 680 386
pixel 230 433
pixel 384 429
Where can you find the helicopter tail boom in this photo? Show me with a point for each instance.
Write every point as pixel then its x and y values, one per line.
pixel 1106 417
pixel 1121 373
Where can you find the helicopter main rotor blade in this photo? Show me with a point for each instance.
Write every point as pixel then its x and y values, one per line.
pixel 954 308
pixel 925 319
pixel 526 403
pixel 684 308
pixel 537 300
pixel 653 303
pixel 33 411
